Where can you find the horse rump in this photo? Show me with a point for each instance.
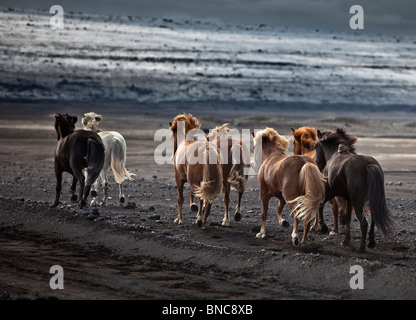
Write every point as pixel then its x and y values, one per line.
pixel 312 183
pixel 376 200
pixel 118 158
pixel 94 159
pixel 211 185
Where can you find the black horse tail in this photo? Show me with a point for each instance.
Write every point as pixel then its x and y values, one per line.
pixel 95 155
pixel 376 200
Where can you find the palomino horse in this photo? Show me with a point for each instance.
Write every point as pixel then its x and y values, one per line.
pixel 196 162
pixel 74 152
pixel 115 155
pixel 357 178
pixel 232 167
pixel 295 180
pixel 304 142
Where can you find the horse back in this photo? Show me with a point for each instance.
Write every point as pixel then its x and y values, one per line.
pixel 72 149
pixel 348 173
pixel 277 173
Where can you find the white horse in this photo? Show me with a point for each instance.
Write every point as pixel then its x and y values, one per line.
pixel 115 155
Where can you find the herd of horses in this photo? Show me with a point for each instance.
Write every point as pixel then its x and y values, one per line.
pixel 324 167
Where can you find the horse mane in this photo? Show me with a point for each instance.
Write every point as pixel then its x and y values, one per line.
pixel 340 137
pixel 190 122
pixel 219 131
pixel 271 135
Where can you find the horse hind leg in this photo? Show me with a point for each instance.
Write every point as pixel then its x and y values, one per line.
pixel 295 235
pixel 192 204
pixel 278 213
pixel 80 176
pixel 226 219
pixel 371 236
pixel 180 185
pixel 237 213
pixel 72 189
pixel 121 196
pixel 58 174
pixel 265 207
pixel 104 181
pixel 94 187
pixel 207 211
pixel 347 237
pixel 363 225
pixel 92 176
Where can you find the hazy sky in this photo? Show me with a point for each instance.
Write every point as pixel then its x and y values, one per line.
pixel 380 16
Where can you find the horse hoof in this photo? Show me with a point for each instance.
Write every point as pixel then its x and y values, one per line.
pixel 295 242
pixel 225 223
pixel 324 229
pixel 178 221
pixel 122 199
pixel 199 223
pixel 260 235
pixel 94 193
pixel 74 198
pixel 333 233
pixel 82 203
pixel 194 207
pixel 94 203
pixel 237 216
pixel 371 244
pixel 285 224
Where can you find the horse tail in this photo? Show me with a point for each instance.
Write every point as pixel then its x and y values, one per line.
pixel 376 200
pixel 95 155
pixel 118 161
pixel 237 178
pixel 311 182
pixel 211 185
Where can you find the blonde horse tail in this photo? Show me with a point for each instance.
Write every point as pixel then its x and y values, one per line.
pixel 118 160
pixel 211 185
pixel 312 182
pixel 237 178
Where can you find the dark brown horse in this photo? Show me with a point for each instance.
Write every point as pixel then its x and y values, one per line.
pixel 304 142
pixel 357 178
pixel 232 167
pixel 197 162
pixel 74 152
pixel 295 180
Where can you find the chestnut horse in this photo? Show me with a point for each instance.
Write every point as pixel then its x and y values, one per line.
pixel 304 142
pixel 295 180
pixel 357 178
pixel 74 152
pixel 232 167
pixel 197 162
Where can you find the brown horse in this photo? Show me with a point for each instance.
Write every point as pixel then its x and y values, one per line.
pixel 357 178
pixel 232 169
pixel 74 152
pixel 196 162
pixel 304 142
pixel 294 180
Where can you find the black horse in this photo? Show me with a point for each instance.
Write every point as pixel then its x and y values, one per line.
pixel 357 178
pixel 74 152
